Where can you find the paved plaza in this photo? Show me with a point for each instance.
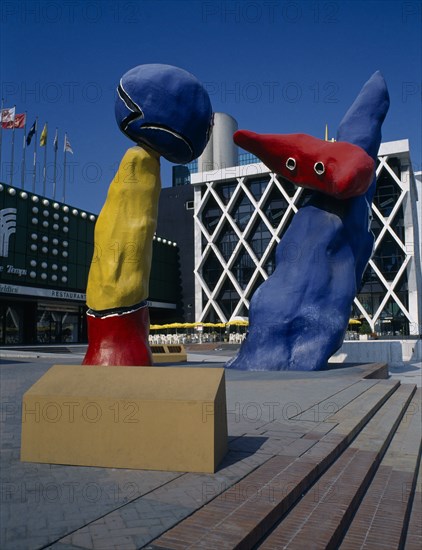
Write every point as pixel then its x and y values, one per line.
pixel 270 414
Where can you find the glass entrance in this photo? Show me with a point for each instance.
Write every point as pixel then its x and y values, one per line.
pixel 57 327
pixel 11 324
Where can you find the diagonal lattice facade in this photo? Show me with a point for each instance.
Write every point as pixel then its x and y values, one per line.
pixel 241 213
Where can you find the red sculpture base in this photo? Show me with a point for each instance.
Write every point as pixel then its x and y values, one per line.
pixel 119 340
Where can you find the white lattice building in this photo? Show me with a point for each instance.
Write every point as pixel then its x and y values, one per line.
pixel 242 212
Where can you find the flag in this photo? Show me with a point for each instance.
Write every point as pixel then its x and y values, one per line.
pixel 43 137
pixel 67 147
pixel 31 133
pixel 8 118
pixel 56 141
pixel 20 120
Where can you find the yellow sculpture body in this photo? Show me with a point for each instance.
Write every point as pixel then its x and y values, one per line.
pixel 120 269
pixel 118 280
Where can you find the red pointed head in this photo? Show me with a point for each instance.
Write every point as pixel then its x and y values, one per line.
pixel 336 168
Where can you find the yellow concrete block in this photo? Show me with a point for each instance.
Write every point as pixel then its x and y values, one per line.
pixel 172 353
pixel 151 418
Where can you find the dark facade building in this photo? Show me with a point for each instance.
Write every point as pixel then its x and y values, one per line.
pixel 180 175
pixel 46 249
pixel 176 223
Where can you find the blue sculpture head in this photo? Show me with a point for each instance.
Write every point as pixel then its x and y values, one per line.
pixel 166 108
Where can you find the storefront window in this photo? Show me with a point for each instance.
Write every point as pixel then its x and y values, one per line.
pixel 11 325
pixel 69 328
pixel 56 327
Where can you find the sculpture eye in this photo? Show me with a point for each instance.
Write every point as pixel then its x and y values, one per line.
pixel 290 163
pixel 319 168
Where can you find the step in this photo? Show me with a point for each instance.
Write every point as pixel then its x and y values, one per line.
pixel 414 530
pixel 328 407
pixel 319 520
pixel 240 516
pixel 386 507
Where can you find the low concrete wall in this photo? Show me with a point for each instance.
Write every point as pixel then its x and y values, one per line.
pixel 393 352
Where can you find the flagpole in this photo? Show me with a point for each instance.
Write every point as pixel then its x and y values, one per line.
pixel 23 166
pixel 55 164
pixel 45 159
pixel 1 132
pixel 64 170
pixel 35 155
pixel 13 150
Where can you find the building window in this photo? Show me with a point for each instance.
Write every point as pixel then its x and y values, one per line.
pixel 212 270
pixel 248 158
pixel 275 207
pixel 211 215
pixel 193 166
pixel 260 238
pixel 389 257
pixel 243 269
pixel 11 324
pixel 227 241
pixel 181 175
pixel 226 190
pixel 257 186
pixel 228 298
pixel 242 211
pixel 387 192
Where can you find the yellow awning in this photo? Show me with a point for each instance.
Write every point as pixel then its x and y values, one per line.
pixel 238 323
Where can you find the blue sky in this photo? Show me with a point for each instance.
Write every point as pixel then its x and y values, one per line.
pixel 276 66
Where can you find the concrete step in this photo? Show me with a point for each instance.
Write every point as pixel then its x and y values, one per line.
pixel 323 515
pixel 414 531
pixel 385 510
pixel 242 515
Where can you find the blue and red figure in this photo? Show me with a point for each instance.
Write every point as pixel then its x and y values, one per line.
pixel 298 317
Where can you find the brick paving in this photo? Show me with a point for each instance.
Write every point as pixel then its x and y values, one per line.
pixel 287 431
pixel 324 513
pixel 386 505
pixel 242 521
pixel 414 532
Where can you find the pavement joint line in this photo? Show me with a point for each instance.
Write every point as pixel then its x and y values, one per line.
pixel 416 502
pixel 395 447
pixel 308 491
pixel 384 398
pixel 109 512
pixel 315 405
pixel 320 469
pixel 212 499
pixel 371 473
pixel 46 547
pixel 268 483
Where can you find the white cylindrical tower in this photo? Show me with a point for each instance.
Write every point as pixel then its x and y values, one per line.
pixel 224 149
pixel 205 161
pixel 221 151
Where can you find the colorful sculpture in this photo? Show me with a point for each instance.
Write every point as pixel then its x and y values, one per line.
pixel 339 169
pixel 167 112
pixel 298 317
